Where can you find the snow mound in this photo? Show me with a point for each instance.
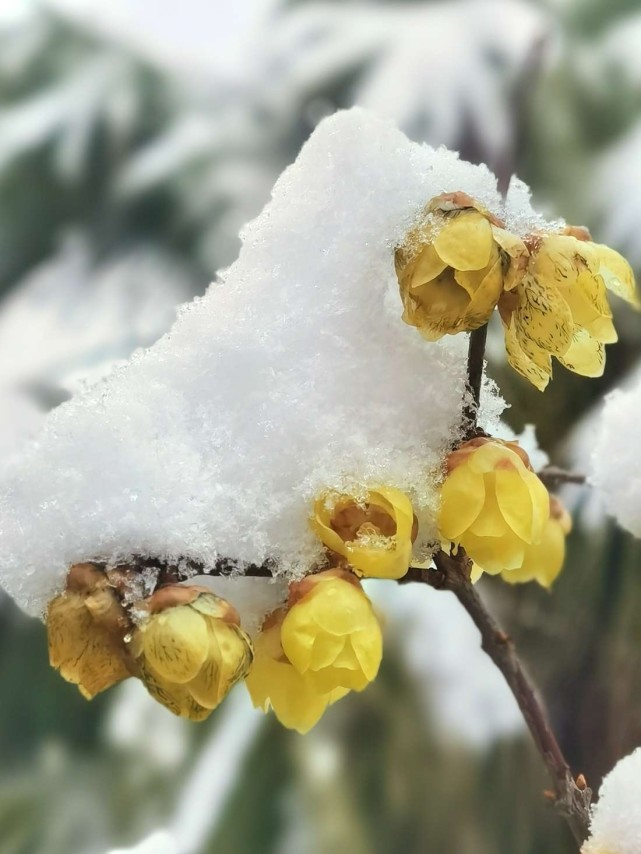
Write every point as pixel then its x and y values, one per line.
pixel 293 374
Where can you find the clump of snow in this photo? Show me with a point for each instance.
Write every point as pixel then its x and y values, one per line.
pixel 615 826
pixel 519 215
pixel 293 374
pixel 616 464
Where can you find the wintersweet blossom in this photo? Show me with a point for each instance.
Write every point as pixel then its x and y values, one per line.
pixel 453 266
pixel 190 649
pixel 373 535
pixel 273 682
pixel 85 627
pixel 331 632
pixel 560 307
pixel 493 504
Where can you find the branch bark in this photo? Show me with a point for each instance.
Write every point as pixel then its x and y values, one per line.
pixel 475 367
pixel 553 476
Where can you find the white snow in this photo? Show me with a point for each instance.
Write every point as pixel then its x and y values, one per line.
pixel 616 464
pixel 615 827
pixel 293 374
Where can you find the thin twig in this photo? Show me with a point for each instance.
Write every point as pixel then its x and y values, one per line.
pixel 553 476
pixel 475 366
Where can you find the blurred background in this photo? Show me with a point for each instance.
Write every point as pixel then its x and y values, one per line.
pixel 136 137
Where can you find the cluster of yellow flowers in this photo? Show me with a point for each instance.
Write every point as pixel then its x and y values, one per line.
pixel 460 263
pixel 187 645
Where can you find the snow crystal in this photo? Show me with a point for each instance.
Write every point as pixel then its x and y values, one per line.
pixel 293 374
pixel 615 826
pixel 616 464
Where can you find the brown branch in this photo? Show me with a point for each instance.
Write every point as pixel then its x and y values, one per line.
pixel 572 798
pixel 475 367
pixel 553 476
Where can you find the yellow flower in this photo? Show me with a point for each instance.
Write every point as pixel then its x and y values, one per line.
pixel 85 629
pixel 543 560
pixel 374 535
pixel 454 265
pixel 560 307
pixel 492 504
pixel 273 682
pixel 190 649
pixel 331 633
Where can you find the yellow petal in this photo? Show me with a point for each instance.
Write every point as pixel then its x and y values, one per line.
pixel 176 698
pixel 617 274
pixel 428 266
pixel 83 651
pixel 367 646
pixel 517 253
pixel 524 503
pixel 475 573
pixel 585 356
pixel 338 678
pixel 175 643
pixel 277 685
pixel 487 294
pixel 326 648
pixel 465 241
pixel 490 521
pixel 538 371
pixel 229 660
pixel 543 562
pixel 494 554
pixel 462 497
pixel 543 318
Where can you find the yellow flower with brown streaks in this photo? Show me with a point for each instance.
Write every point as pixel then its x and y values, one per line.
pixel 493 504
pixel 373 534
pixel 85 628
pixel 454 265
pixel 560 307
pixel 190 649
pixel 274 683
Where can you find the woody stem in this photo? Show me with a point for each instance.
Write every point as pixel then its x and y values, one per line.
pixel 475 366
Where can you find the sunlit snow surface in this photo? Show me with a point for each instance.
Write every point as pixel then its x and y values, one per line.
pixel 293 374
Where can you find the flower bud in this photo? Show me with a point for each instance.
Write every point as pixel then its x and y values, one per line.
pixel 374 535
pixel 273 682
pixel 331 633
pixel 453 266
pixel 85 629
pixel 190 649
pixel 492 504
